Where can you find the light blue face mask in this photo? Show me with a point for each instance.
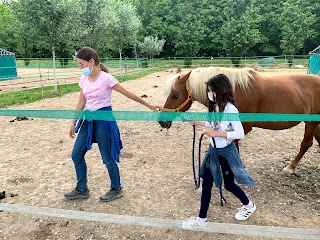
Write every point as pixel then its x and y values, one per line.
pixel 86 71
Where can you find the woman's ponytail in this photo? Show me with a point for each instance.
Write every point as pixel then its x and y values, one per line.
pixel 104 67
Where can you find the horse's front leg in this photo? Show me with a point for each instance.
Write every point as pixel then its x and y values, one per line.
pixel 310 131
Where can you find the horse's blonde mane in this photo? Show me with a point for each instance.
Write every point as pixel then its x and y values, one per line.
pixel 199 76
pixel 170 84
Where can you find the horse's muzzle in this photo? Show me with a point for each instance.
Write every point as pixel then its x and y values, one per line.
pixel 166 124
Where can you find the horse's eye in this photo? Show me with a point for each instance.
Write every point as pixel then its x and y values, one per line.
pixel 175 96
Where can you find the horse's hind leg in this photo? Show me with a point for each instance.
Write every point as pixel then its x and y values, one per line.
pixel 317 135
pixel 310 130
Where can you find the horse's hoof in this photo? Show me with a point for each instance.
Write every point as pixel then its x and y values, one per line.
pixel 288 171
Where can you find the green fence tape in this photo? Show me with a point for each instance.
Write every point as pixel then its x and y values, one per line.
pixel 160 116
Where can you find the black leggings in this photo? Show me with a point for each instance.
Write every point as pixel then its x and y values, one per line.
pixel 229 185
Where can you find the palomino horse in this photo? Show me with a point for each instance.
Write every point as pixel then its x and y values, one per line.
pixel 290 94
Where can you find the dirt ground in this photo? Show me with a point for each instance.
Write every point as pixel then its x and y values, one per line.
pixel 156 171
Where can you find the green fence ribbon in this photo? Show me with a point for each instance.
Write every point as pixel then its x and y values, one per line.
pixel 160 116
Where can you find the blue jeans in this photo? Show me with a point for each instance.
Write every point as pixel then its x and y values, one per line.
pixel 102 137
pixel 229 185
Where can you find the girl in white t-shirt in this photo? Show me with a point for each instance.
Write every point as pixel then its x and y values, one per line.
pixel 222 153
pixel 97 85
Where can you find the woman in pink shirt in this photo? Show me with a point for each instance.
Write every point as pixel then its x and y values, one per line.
pixel 96 88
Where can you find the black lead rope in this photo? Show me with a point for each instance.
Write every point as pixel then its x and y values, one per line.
pixel 197 182
pixel 215 158
pixel 221 197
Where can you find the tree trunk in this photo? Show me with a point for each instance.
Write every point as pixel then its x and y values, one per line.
pixel 136 55
pixel 54 68
pixel 236 61
pixel 290 61
pixel 188 62
pixel 120 61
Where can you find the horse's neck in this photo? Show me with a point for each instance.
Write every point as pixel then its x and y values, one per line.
pixel 198 78
pixel 199 93
pixel 200 100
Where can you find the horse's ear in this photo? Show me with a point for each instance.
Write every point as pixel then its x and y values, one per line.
pixel 178 70
pixel 184 78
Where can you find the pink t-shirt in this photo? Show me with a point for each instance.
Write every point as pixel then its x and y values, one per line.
pixel 98 93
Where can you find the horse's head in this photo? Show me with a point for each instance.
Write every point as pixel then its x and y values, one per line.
pixel 178 93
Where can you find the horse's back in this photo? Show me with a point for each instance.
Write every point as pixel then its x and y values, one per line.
pixel 294 93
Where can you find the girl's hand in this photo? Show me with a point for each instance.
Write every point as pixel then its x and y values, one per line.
pixel 154 107
pixel 71 132
pixel 210 132
pixel 201 124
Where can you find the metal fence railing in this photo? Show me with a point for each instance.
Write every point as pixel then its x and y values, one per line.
pixel 282 61
pixel 37 72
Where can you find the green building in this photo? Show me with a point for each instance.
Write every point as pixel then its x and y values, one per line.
pixel 314 61
pixel 8 67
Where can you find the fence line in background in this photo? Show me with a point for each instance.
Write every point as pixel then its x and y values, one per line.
pixel 33 73
pixel 263 61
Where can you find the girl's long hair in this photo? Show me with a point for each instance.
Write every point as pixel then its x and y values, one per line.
pixel 220 84
pixel 86 53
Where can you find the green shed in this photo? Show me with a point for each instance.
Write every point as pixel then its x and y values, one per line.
pixel 314 61
pixel 8 67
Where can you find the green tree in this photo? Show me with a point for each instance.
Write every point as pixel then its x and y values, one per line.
pixel 190 28
pixel 212 43
pixel 14 35
pixel 240 31
pixel 27 41
pixel 151 46
pixel 49 18
pixel 314 40
pixel 7 23
pixel 270 27
pixel 297 24
pixel 93 23
pixel 205 28
pixel 125 25
pixel 159 23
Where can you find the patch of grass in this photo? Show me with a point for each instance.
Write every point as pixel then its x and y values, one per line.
pixel 138 74
pixel 36 94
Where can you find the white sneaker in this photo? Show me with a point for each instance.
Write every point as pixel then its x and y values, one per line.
pixel 194 222
pixel 245 213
